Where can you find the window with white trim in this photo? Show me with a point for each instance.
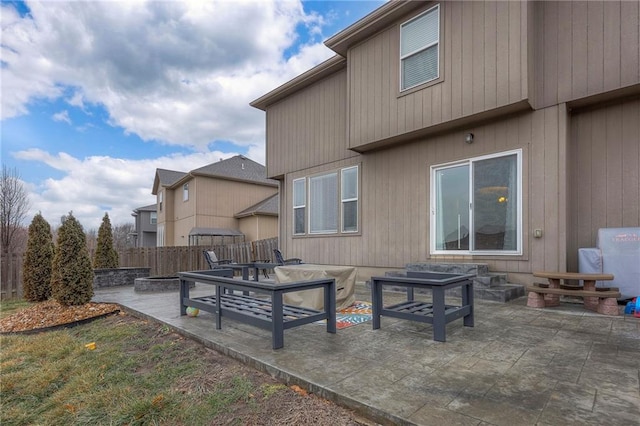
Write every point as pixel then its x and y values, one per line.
pixel 326 203
pixel 153 218
pixel 185 192
pixel 476 205
pixel 323 204
pixel 349 196
pixel 299 206
pixel 160 198
pixel 419 49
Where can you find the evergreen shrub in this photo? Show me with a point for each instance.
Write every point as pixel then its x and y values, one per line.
pixel 72 275
pixel 106 256
pixel 38 259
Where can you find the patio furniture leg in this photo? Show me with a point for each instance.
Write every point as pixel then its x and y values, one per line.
pixel 439 320
pixel 535 300
pixel 376 299
pixel 467 300
pixel 277 319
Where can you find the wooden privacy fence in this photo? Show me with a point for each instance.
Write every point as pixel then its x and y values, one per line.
pixel 11 276
pixel 163 261
pixel 168 261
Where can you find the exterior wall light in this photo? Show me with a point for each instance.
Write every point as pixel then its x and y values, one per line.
pixel 468 138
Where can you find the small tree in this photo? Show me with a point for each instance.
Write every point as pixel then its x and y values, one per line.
pixel 106 256
pixel 38 259
pixel 14 204
pixel 72 274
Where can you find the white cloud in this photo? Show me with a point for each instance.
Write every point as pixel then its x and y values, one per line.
pixel 62 116
pixel 181 73
pixel 95 185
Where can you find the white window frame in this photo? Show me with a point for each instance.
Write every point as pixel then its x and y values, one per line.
pixel 153 218
pixel 300 206
pixel 311 207
pixel 433 206
pixel 340 201
pixel 421 49
pixel 344 199
pixel 185 192
pixel 160 199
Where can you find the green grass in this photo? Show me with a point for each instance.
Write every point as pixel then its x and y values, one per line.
pixel 11 306
pixel 139 374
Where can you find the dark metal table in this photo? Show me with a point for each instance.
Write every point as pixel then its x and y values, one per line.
pixel 436 312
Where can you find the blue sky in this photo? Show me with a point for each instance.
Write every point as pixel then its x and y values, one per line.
pixel 97 95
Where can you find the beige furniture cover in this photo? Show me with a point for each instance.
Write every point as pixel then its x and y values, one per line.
pixel 345 277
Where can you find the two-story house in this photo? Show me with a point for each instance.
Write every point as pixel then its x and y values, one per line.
pixel 224 202
pixel 498 132
pixel 146 220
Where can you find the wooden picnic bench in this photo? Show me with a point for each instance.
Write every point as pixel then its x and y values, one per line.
pixel 260 304
pixel 602 300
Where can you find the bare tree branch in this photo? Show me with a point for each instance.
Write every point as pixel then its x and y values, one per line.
pixel 14 205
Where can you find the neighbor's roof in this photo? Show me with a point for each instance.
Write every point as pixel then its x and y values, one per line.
pixel 225 232
pixel 149 208
pixel 266 207
pixel 239 168
pixel 165 178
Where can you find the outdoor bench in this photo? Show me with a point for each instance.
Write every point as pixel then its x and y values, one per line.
pixel 260 304
pixel 435 312
pixel 600 299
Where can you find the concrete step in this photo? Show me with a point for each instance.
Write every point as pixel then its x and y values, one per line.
pixel 490 280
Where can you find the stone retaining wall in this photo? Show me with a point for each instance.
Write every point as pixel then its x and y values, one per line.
pixel 118 276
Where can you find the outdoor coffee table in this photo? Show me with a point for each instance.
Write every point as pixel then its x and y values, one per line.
pixel 436 312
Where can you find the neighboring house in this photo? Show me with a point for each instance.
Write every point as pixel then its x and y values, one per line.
pixel 203 206
pixel 493 132
pixel 145 228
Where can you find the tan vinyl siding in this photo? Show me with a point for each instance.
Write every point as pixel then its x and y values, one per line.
pixel 258 227
pixel 309 127
pixel 395 197
pixel 585 48
pixel 483 66
pixel 212 204
pixel 605 172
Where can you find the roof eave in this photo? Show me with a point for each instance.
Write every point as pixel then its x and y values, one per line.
pixel 370 24
pixel 305 79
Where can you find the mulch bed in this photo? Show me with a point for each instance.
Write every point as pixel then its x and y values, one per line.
pixel 50 314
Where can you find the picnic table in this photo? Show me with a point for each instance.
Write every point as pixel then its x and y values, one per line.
pixel 599 299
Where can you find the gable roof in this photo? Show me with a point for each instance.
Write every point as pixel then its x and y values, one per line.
pixel 165 177
pixel 266 207
pixel 238 168
pixel 149 208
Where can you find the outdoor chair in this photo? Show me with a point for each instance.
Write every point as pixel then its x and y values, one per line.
pixel 212 260
pixel 280 260
pixel 214 263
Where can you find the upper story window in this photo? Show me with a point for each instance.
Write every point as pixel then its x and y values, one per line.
pixel 160 197
pixel 185 192
pixel 419 49
pixel 153 218
pixel 330 202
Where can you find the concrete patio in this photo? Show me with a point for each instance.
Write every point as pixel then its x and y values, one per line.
pixel 517 366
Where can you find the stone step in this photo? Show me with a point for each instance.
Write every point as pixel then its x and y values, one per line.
pixel 479 269
pixel 490 280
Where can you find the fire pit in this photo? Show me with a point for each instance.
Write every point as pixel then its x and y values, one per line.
pixel 149 284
